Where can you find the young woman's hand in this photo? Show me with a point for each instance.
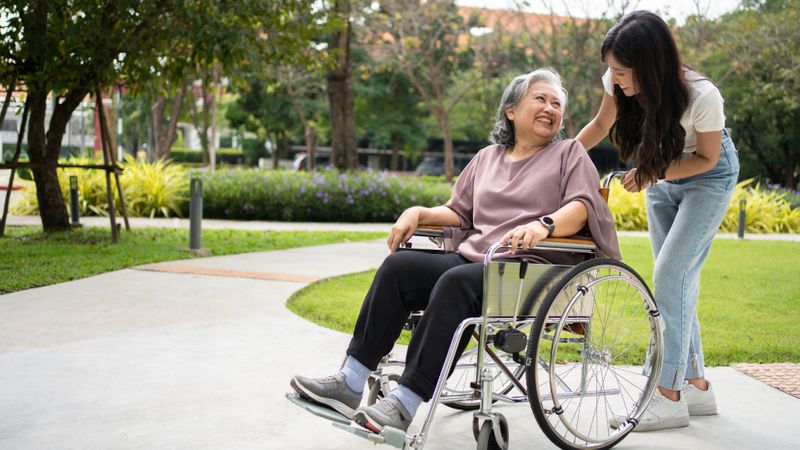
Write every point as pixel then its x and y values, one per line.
pixel 526 236
pixel 629 182
pixel 403 229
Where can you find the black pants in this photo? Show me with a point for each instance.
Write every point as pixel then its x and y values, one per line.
pixel 446 286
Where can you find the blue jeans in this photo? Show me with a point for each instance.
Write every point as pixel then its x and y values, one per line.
pixel 683 216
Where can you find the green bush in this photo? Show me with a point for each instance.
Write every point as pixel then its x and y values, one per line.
pixel 327 196
pixel 156 189
pixel 767 211
pixel 188 155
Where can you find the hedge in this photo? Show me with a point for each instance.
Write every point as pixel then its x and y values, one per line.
pixel 188 155
pixel 326 196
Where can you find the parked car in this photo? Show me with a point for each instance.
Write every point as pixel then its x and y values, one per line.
pixel 434 165
pixel 301 161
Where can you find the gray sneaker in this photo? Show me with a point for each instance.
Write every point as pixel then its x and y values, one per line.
pixel 387 412
pixel 330 391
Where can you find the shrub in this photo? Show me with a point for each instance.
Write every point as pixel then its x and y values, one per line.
pixel 188 155
pixel 150 189
pixel 327 196
pixel 767 211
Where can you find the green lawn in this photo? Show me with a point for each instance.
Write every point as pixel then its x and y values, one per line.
pixel 29 258
pixel 749 301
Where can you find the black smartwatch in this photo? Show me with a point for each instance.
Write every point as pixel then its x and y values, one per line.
pixel 548 223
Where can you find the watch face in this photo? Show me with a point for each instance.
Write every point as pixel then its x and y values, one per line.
pixel 548 221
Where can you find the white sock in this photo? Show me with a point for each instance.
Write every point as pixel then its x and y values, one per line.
pixel 355 374
pixel 410 399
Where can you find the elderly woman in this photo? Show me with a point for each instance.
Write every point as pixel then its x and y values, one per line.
pixel 522 189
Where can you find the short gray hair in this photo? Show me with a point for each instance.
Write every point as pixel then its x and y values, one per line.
pixel 503 130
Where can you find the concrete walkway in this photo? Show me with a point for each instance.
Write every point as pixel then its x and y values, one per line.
pixel 157 359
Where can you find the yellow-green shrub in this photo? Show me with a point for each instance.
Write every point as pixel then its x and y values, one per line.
pixel 150 189
pixel 767 211
pixel 627 208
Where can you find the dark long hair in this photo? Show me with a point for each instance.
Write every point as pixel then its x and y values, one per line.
pixel 647 128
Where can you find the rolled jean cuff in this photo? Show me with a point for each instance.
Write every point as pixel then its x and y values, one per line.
pixel 695 367
pixel 672 376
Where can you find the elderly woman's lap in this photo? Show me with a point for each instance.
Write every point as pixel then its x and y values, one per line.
pixel 444 285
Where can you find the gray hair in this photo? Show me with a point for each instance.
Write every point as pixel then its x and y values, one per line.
pixel 503 130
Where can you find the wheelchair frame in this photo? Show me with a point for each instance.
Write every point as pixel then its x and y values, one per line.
pixel 549 326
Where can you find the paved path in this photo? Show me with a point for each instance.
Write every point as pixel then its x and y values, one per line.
pixel 163 359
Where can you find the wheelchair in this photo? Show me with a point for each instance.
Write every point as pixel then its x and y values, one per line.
pixel 581 344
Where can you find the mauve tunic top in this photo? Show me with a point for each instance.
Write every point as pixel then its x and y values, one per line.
pixel 494 195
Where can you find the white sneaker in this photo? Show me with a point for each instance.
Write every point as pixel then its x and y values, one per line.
pixel 700 403
pixel 661 414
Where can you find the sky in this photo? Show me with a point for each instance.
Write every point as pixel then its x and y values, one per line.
pixel 677 9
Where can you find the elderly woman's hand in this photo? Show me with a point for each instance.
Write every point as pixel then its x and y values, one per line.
pixel 525 236
pixel 403 229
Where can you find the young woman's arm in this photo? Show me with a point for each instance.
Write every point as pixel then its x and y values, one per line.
pixel 598 128
pixel 705 158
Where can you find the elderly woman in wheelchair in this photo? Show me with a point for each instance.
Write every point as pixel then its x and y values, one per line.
pixel 523 189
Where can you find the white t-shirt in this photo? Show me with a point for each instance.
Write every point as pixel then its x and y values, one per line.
pixel 705 111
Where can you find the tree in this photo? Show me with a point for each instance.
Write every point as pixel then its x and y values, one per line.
pixel 164 126
pixel 340 89
pixel 72 49
pixel 303 84
pixel 569 44
pixel 388 110
pixel 751 54
pixel 433 44
pixel 263 107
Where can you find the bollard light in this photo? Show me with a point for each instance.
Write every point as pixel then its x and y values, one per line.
pixel 75 213
pixel 742 218
pixel 195 213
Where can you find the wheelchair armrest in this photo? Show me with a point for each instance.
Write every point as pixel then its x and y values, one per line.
pixel 434 231
pixel 571 244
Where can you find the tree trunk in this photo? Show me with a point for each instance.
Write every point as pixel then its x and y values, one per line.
pixel 396 144
pixel 200 119
pixel 340 95
pixel 311 145
pixel 163 137
pixel 444 123
pixel 788 159
pixel 789 167
pixel 52 209
pixel 275 158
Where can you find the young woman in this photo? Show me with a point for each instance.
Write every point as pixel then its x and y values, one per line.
pixel 668 120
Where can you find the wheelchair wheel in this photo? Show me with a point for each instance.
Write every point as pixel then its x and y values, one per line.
pixel 596 341
pixel 487 439
pixel 464 374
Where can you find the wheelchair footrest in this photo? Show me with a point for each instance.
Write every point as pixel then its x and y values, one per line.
pixel 317 410
pixel 390 436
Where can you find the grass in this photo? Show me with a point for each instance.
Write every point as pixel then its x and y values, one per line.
pixel 749 303
pixel 30 258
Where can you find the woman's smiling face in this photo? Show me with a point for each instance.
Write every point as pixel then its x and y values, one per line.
pixel 622 76
pixel 539 113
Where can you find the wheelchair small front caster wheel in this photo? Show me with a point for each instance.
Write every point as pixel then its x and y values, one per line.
pixel 376 391
pixel 488 438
